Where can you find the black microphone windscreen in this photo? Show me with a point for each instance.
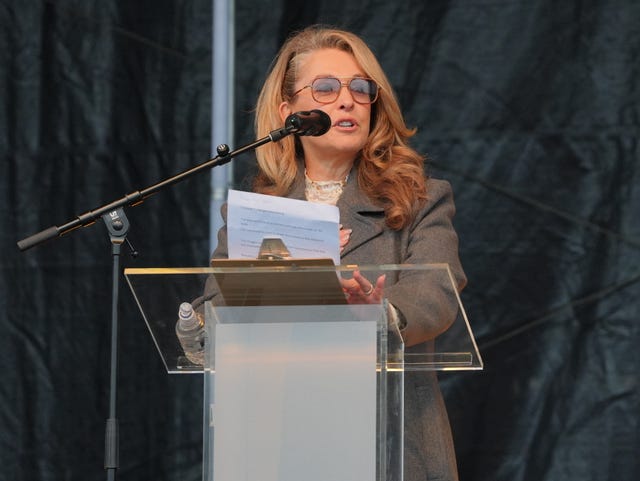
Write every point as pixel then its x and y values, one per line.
pixel 314 122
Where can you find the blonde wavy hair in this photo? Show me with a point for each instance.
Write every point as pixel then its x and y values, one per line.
pixel 389 172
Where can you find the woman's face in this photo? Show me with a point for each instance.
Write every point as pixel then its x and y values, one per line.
pixel 350 121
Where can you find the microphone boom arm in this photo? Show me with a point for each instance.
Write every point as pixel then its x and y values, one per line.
pixel 139 196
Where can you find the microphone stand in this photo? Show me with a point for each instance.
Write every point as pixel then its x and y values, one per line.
pixel 118 226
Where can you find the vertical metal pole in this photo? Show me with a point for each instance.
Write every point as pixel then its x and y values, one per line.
pixel 222 131
pixel 222 99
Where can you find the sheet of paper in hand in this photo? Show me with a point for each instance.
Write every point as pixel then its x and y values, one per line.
pixel 308 230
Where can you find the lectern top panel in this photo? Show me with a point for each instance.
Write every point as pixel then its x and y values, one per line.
pixel 160 291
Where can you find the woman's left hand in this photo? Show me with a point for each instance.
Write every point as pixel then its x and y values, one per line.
pixel 359 290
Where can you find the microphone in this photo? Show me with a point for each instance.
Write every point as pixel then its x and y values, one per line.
pixel 314 122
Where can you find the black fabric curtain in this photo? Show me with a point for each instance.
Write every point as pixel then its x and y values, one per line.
pixel 531 109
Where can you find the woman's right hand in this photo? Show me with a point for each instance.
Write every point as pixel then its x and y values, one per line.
pixel 359 290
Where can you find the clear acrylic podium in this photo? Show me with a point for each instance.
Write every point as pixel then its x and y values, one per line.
pixel 299 383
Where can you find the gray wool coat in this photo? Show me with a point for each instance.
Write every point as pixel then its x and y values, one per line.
pixel 431 238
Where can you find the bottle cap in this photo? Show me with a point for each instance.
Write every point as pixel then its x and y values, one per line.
pixel 187 318
pixel 186 310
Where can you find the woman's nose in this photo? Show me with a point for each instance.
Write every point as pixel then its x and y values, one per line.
pixel 345 98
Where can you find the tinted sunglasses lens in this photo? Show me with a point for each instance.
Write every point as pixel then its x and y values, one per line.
pixel 364 91
pixel 325 89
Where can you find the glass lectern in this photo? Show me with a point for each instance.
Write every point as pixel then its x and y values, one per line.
pixel 299 382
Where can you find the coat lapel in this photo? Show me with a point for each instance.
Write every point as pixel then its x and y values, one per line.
pixel 357 212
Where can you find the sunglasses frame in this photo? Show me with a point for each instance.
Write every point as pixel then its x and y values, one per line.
pixel 337 92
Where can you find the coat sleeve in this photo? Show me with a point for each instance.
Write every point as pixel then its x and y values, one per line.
pixel 222 251
pixel 211 289
pixel 427 299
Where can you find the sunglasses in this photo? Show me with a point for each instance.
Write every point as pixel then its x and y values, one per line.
pixel 326 90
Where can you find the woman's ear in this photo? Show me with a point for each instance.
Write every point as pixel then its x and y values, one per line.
pixel 285 110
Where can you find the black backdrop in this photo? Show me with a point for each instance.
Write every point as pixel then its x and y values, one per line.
pixel 531 109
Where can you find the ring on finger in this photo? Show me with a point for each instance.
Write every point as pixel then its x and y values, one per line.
pixel 369 291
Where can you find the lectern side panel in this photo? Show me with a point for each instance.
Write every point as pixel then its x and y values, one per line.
pixel 295 401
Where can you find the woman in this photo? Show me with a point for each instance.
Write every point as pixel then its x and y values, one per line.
pixel 391 213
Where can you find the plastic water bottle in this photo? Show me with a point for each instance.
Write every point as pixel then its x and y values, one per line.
pixel 191 333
